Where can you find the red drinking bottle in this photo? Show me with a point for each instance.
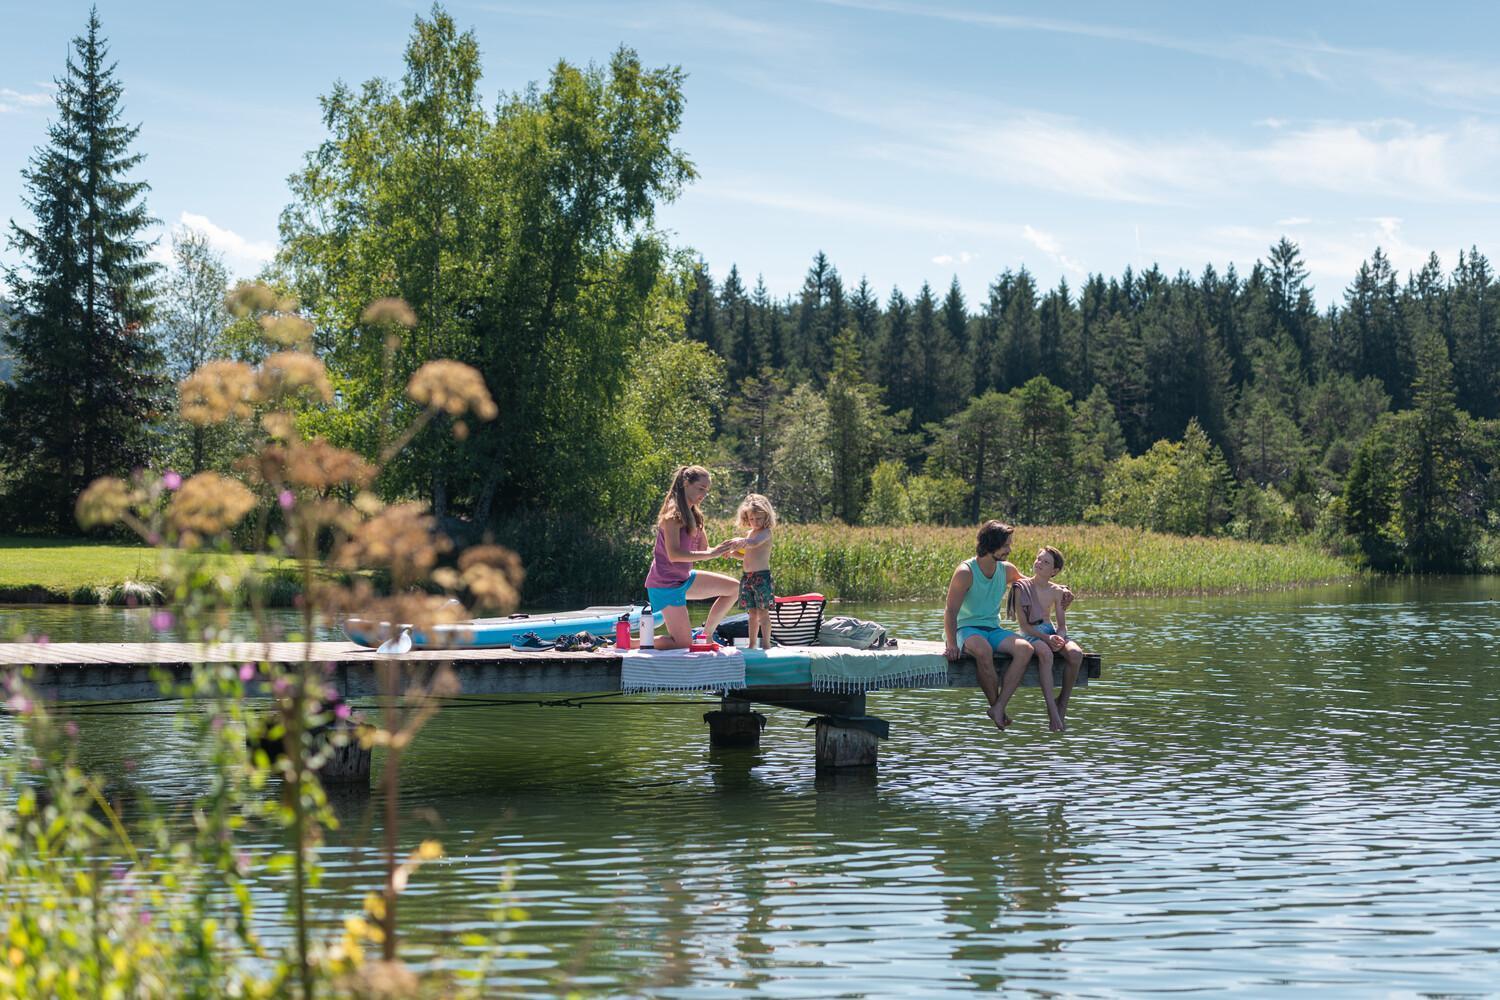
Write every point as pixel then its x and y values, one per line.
pixel 622 632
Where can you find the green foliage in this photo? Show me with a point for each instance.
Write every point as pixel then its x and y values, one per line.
pixel 1180 487
pixel 86 379
pixel 1410 499
pixel 523 241
pixel 887 504
pixel 802 486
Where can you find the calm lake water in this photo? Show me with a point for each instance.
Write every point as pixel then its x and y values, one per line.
pixel 1299 789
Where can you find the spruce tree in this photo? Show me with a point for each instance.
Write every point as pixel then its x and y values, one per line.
pixel 87 381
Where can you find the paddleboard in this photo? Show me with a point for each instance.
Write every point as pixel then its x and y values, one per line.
pixel 492 633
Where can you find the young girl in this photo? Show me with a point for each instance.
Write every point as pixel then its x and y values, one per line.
pixel 680 542
pixel 971 619
pixel 757 594
pixel 1032 601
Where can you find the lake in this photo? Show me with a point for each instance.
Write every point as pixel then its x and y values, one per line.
pixel 1295 789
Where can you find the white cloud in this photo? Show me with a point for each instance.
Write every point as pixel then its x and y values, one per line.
pixel 962 257
pixel 242 256
pixel 15 100
pixel 876 216
pixel 1048 244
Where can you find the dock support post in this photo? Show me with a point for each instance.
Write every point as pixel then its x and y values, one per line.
pixel 348 762
pixel 734 725
pixel 848 741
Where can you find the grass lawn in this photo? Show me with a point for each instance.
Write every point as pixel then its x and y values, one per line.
pixel 62 565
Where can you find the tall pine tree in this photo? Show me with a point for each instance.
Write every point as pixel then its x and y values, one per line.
pixel 87 382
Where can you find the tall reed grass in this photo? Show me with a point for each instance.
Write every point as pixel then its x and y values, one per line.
pixel 915 563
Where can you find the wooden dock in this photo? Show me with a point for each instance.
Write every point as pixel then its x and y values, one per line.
pixel 116 671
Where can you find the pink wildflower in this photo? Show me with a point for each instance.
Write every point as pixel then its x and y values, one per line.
pixel 162 620
pixel 171 480
pixel 247 672
pixel 286 499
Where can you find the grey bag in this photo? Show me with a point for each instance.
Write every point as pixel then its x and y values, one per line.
pixel 853 632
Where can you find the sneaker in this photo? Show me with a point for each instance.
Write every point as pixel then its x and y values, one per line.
pixel 531 641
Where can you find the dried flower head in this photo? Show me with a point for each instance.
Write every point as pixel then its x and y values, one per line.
pixel 452 387
pixel 278 425
pixel 216 392
pixel 401 538
pixel 315 465
pixel 104 502
pixel 389 310
pixel 208 504
pixel 287 330
pixel 291 373
pixel 493 575
pixel 256 297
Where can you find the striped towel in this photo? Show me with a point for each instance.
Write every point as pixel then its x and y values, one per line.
pixel 681 670
pixel 850 671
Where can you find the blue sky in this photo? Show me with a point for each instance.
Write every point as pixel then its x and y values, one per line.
pixel 909 141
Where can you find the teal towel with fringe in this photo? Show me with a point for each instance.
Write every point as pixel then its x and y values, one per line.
pixel 850 671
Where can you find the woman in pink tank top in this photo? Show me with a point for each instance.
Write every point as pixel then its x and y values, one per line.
pixel 680 542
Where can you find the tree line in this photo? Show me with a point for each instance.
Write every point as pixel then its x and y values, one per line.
pixel 521 234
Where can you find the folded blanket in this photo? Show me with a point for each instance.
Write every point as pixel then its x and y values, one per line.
pixel 681 670
pixel 848 671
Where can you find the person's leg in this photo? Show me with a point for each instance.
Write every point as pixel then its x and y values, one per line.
pixel 979 647
pixel 679 628
pixel 1074 656
pixel 723 589
pixel 1019 651
pixel 1044 677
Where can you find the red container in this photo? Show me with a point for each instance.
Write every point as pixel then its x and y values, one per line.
pixel 622 632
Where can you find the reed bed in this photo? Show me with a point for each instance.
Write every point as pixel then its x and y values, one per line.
pixel 876 564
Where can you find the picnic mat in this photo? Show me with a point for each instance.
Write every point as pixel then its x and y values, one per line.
pixel 843 670
pixel 681 670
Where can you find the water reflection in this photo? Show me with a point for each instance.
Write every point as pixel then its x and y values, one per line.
pixel 1289 788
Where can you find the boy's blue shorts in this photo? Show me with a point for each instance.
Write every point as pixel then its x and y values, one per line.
pixel 1046 628
pixel 671 597
pixel 994 636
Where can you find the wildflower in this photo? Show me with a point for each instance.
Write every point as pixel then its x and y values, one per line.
pixel 278 424
pixel 105 501
pixel 216 392
pixel 341 711
pixel 252 296
pixel 287 330
pixel 247 672
pixel 293 373
pixel 492 573
pixel 285 500
pixel 19 704
pixel 71 728
pixel 452 387
pixel 389 310
pixel 171 480
pixel 401 538
pixel 208 504
pixel 162 620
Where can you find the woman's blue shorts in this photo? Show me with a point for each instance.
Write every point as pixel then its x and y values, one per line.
pixel 671 597
pixel 994 636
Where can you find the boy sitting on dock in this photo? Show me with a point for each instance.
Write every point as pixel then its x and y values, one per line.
pixel 1032 602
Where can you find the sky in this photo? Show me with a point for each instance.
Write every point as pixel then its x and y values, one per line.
pixel 909 141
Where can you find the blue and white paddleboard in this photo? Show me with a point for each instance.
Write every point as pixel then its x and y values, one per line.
pixel 490 633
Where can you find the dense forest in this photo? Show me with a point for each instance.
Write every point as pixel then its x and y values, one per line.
pixel 521 234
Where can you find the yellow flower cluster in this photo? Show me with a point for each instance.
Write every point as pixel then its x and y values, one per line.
pixel 402 538
pixel 292 373
pixel 105 501
pixel 208 504
pixel 453 388
pixel 218 391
